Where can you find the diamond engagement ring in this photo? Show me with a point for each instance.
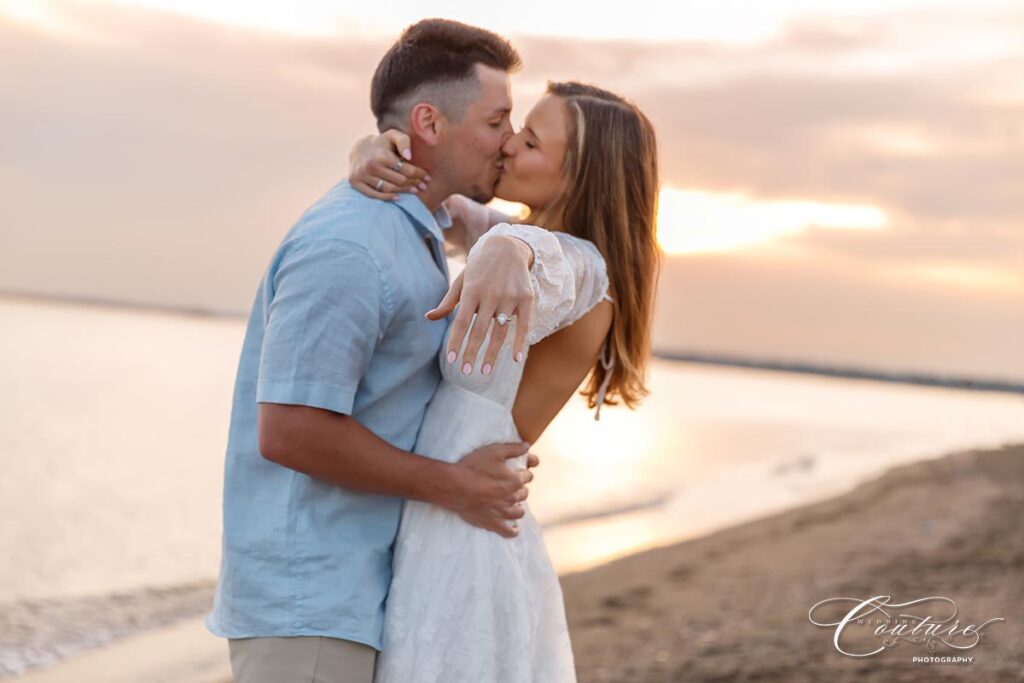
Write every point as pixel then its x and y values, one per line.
pixel 379 184
pixel 399 165
pixel 502 319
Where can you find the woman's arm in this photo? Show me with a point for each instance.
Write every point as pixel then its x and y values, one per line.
pixel 385 158
pixel 555 368
pixel 568 321
pixel 470 220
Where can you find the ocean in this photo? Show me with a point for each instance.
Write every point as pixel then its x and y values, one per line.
pixel 115 424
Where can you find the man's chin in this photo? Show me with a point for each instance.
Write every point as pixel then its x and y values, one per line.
pixel 485 192
pixel 481 196
pixel 484 195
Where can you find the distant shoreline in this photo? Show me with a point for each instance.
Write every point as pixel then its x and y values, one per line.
pixel 726 360
pixel 848 372
pixel 122 305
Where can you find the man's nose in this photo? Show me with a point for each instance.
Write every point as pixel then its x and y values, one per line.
pixel 507 133
pixel 508 148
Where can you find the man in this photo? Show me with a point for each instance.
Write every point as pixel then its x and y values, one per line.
pixel 338 364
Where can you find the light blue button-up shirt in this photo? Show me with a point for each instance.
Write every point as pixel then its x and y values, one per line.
pixel 337 324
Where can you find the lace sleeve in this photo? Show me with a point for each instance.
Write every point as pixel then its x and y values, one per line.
pixel 591 276
pixel 591 289
pixel 568 276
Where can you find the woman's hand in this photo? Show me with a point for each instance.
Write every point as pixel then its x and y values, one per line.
pixel 379 166
pixel 496 280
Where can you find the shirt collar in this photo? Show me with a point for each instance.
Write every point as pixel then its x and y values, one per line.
pixel 418 212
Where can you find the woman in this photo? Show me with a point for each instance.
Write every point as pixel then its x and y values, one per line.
pixel 466 604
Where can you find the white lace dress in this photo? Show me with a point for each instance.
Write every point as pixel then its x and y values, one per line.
pixel 466 604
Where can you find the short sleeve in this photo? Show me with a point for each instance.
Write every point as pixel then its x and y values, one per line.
pixel 568 276
pixel 328 311
pixel 591 275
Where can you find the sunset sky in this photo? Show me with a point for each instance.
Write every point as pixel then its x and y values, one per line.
pixel 843 181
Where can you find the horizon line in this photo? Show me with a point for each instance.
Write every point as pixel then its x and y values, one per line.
pixel 844 371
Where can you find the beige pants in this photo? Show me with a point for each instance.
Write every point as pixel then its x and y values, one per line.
pixel 301 659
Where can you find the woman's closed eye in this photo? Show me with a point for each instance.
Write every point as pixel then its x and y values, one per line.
pixel 526 142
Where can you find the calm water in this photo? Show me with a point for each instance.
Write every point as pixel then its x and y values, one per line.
pixel 115 423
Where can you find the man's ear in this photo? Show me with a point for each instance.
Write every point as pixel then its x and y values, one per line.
pixel 426 121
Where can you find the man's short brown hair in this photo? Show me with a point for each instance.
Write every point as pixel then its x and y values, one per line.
pixel 435 59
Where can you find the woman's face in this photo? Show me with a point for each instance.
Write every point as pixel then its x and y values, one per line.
pixel 534 162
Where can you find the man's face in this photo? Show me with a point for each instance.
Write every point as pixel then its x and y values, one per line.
pixel 471 147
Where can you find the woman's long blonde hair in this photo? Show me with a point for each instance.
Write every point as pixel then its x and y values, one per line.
pixel 611 199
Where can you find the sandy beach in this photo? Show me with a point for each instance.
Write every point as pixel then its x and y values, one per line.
pixel 733 606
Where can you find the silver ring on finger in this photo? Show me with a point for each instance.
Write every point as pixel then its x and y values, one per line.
pixel 399 165
pixel 379 184
pixel 503 318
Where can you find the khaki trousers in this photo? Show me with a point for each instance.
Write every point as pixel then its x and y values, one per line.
pixel 301 659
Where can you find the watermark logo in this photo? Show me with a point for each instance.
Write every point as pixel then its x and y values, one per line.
pixel 867 627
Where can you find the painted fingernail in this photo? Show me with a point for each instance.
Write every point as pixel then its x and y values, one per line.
pixel 422 185
pixel 519 356
pixel 451 356
pixel 407 154
pixel 486 369
pixel 415 190
pixel 426 178
pixel 467 368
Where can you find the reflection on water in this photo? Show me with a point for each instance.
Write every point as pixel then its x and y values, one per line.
pixel 116 422
pixel 722 445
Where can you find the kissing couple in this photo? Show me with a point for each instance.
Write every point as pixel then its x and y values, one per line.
pixel 375 524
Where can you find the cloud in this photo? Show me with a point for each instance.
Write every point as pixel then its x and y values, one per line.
pixel 796 306
pixel 937 144
pixel 161 159
pixel 158 159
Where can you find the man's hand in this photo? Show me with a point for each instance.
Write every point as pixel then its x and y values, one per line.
pixel 336 448
pixel 496 280
pixel 492 492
